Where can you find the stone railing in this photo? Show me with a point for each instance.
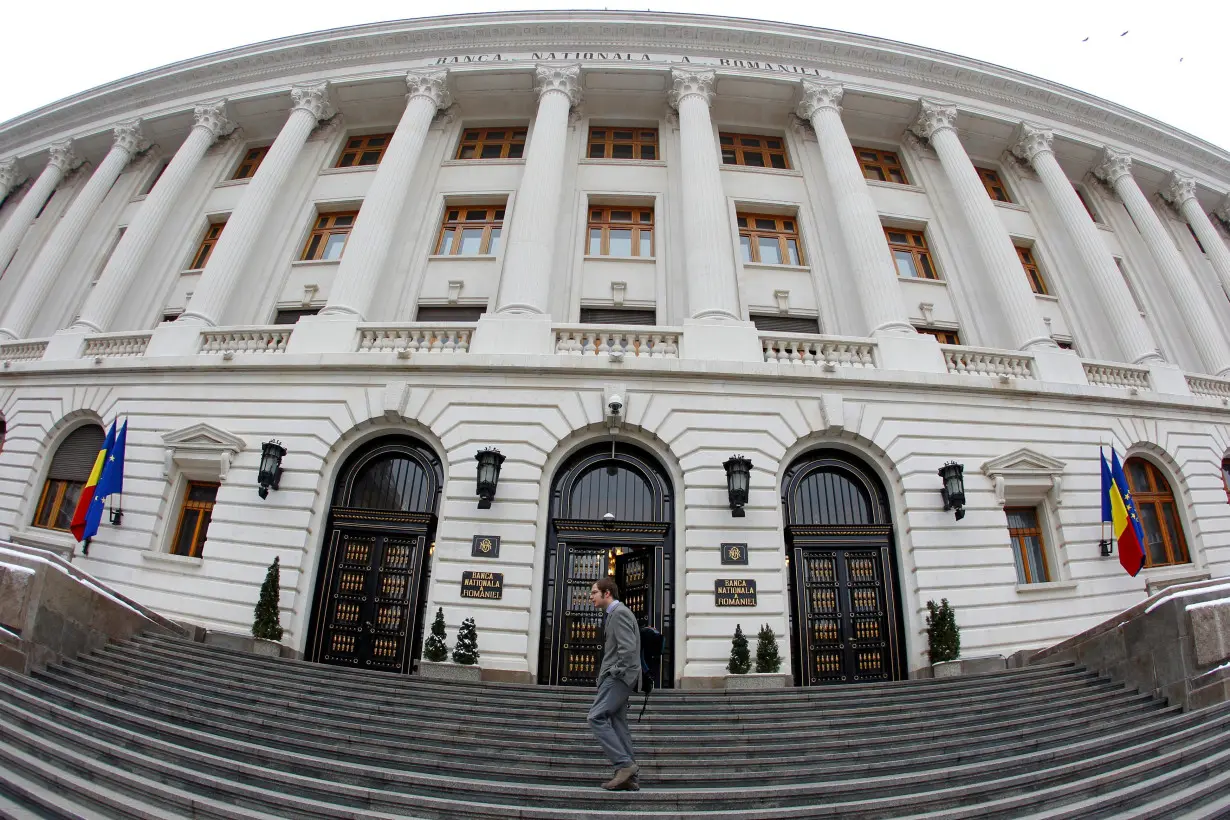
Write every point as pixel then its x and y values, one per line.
pixel 1215 388
pixel 117 344
pixel 250 340
pixel 24 351
pixel 415 338
pixel 829 352
pixel 1123 376
pixel 972 361
pixel 594 340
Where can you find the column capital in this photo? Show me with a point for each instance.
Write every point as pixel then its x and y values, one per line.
pixel 1178 189
pixel 820 96
pixel 212 117
pixel 934 116
pixel 1032 140
pixel 1113 165
pixel 1222 211
pixel 128 136
pixel 431 83
pixel 312 98
pixel 565 79
pixel 686 82
pixel 62 156
pixel 10 174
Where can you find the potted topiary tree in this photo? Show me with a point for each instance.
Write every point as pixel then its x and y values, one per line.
pixel 266 626
pixel 740 659
pixel 943 639
pixel 768 662
pixel 767 658
pixel 464 664
pixel 435 649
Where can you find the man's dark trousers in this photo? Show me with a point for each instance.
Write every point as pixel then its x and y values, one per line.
pixel 608 719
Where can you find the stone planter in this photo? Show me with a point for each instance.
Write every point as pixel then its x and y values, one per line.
pixel 450 671
pixel 246 643
pixel 969 666
pixel 759 680
pixel 946 669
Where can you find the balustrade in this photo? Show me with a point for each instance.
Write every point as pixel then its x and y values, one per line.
pixel 829 352
pixel 976 362
pixel 24 351
pixel 251 340
pixel 649 343
pixel 1215 388
pixel 119 344
pixel 417 338
pixel 1121 376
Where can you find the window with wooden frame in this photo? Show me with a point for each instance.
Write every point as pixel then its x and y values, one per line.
pixel 994 185
pixel 770 239
pixel 1164 544
pixel 201 257
pixel 195 513
pixel 782 323
pixel 471 230
pixel 70 469
pixel 623 143
pixel 618 316
pixel 1036 283
pixel 492 143
pixel 365 150
pixel 1085 201
pixel 881 166
pixel 910 254
pixel 252 159
pixel 289 316
pixel 945 337
pixel 450 313
pixel 328 237
pixel 1029 548
pixel 753 150
pixel 620 231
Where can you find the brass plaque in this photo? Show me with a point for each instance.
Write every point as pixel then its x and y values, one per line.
pixel 734 554
pixel 489 585
pixel 485 546
pixel 734 592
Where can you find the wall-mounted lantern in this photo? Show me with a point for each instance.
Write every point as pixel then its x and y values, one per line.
pixel 271 467
pixel 953 490
pixel 489 461
pixel 738 480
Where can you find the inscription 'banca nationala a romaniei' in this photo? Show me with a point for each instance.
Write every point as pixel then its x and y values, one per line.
pixel 622 57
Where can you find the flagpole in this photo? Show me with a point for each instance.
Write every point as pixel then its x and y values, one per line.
pixel 1104 544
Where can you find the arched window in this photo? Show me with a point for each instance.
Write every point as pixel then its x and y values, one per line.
pixel 70 468
pixel 1159 516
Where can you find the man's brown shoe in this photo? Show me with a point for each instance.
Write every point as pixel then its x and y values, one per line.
pixel 621 778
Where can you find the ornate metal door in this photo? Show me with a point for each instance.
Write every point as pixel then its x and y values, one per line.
pixel 846 615
pixel 369 612
pixel 634 575
pixel 581 637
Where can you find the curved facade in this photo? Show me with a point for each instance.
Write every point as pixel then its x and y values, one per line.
pixel 392 247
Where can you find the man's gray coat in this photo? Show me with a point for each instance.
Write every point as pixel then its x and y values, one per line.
pixel 622 656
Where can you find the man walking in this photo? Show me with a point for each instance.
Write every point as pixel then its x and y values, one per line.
pixel 618 677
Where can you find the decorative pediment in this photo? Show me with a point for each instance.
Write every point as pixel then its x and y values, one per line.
pixel 201 450
pixel 1025 477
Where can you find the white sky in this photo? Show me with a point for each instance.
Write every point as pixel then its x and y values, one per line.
pixel 1170 65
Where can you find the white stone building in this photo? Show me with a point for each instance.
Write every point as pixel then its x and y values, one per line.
pixel 849 260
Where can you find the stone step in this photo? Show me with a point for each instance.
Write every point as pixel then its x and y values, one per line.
pixel 457 733
pixel 138 669
pixel 254 788
pixel 585 770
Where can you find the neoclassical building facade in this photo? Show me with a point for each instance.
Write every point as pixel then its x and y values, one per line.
pixel 726 296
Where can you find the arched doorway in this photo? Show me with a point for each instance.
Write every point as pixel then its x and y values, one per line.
pixel 612 513
pixel 372 581
pixel 844 601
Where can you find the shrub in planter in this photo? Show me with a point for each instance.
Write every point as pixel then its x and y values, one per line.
pixel 740 659
pixel 466 650
pixel 768 659
pixel 435 648
pixel 943 635
pixel 265 624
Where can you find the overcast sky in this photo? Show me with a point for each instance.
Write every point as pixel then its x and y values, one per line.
pixel 1171 63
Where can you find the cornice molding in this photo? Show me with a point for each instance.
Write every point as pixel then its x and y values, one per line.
pixel 930 72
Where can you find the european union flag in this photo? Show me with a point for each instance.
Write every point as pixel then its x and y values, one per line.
pixel 111 481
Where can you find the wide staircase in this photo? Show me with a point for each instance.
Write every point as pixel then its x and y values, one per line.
pixel 161 727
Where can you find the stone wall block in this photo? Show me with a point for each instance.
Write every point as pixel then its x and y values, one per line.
pixel 1102 651
pixel 16 591
pixel 13 658
pixel 1210 626
pixel 66 596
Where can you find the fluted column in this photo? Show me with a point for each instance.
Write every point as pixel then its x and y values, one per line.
pixel 1116 169
pixel 41 277
pixel 112 287
pixel 1129 328
pixel 368 247
pixel 60 161
pixel 525 284
pixel 709 267
pixel 246 223
pixel 10 176
pixel 871 264
pixel 937 124
pixel 1181 192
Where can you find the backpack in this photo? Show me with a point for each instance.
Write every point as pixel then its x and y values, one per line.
pixel 651 655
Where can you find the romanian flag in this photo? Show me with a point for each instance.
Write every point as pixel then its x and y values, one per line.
pixel 1119 509
pixel 109 482
pixel 79 524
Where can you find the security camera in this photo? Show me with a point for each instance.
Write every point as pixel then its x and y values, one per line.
pixel 616 404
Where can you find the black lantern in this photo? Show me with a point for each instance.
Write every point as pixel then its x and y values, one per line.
pixel 1105 547
pixel 271 467
pixel 953 490
pixel 738 478
pixel 489 461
